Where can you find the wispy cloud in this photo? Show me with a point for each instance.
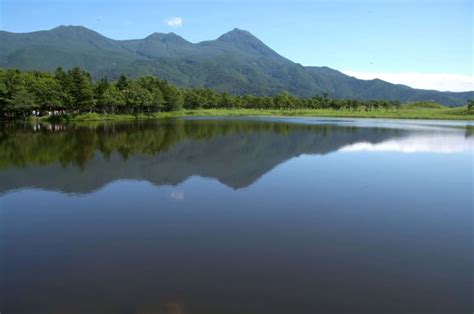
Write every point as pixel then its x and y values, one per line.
pixel 175 21
pixel 437 81
pixel 446 144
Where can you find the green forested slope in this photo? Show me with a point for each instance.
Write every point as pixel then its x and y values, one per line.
pixel 236 62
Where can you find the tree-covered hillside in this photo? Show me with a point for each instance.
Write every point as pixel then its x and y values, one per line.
pixel 236 62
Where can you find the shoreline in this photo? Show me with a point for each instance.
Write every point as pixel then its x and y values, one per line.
pixel 404 114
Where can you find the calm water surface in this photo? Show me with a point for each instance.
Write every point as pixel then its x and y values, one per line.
pixel 237 216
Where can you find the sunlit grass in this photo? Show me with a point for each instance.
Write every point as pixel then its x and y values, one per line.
pixel 408 112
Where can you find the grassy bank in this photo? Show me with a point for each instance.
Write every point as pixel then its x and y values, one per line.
pixel 407 112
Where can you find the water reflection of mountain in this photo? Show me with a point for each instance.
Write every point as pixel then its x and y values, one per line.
pixel 81 159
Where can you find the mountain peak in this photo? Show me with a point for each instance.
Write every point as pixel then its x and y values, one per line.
pixel 170 37
pixel 245 42
pixel 75 28
pixel 237 33
pixel 70 31
pixel 155 35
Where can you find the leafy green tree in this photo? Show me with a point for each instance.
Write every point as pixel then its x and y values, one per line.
pixel 122 83
pixel 81 89
pixel 101 86
pixel 226 101
pixel 173 100
pixel 470 106
pixel 46 89
pixel 13 82
pixel 283 101
pixel 137 98
pixel 64 81
pixel 3 93
pixel 153 86
pixel 149 83
pixel 23 103
pixel 111 99
pixel 210 98
pixel 157 100
pixel 192 99
pixel 353 104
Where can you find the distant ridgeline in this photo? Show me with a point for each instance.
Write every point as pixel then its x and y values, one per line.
pixel 236 62
pixel 74 92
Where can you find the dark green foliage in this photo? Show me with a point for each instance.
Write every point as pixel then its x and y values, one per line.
pixel 22 102
pixel 81 89
pixel 423 104
pixel 173 99
pixel 122 82
pixel 470 106
pixel 73 92
pixel 237 63
pixel 109 98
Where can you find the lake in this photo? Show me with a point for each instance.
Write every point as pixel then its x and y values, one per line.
pixel 237 215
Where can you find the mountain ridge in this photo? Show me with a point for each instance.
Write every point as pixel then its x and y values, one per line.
pixel 235 62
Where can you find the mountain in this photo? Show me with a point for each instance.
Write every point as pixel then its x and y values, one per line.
pixel 236 62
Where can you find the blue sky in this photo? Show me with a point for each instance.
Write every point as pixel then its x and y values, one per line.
pixel 421 43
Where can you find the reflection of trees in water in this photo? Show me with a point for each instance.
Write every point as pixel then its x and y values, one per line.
pixel 82 158
pixel 469 131
pixel 22 145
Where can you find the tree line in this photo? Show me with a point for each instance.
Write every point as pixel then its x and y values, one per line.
pixel 23 93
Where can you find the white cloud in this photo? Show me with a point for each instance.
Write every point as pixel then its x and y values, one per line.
pixel 174 21
pixel 445 144
pixel 437 81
